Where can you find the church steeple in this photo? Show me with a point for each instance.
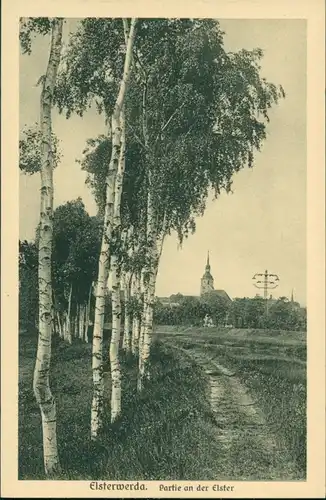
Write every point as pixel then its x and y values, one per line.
pixel 208 267
pixel 207 281
pixel 292 299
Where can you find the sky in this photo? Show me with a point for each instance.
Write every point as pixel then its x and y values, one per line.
pixel 261 225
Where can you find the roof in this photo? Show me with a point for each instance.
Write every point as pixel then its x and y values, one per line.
pixel 221 293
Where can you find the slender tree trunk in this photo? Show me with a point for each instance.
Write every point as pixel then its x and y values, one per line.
pixel 136 317
pixel 76 322
pixel 155 250
pixel 59 325
pixel 81 321
pixel 56 319
pixel 104 261
pixel 115 341
pixel 127 320
pixel 53 316
pixel 116 297
pixel 41 383
pixel 88 312
pixel 54 328
pixel 143 293
pixel 68 318
pixel 65 326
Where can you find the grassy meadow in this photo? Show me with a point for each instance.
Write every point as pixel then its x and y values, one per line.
pixel 155 438
pixel 167 433
pixel 272 364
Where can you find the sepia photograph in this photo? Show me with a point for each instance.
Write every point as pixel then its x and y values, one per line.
pixel 162 249
pixel 162 256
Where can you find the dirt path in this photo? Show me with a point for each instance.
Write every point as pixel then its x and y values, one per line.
pixel 250 447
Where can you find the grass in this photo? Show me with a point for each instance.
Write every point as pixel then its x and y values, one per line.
pixel 273 367
pixel 168 432
pixel 165 433
pixel 280 386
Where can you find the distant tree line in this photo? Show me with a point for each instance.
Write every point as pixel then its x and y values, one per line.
pixel 240 313
pixel 76 248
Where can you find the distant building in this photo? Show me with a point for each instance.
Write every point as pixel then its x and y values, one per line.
pixel 207 281
pixel 207 284
pixel 206 288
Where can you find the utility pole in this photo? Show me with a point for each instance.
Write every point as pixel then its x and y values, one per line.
pixel 269 282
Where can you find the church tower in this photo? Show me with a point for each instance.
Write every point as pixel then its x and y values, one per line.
pixel 207 281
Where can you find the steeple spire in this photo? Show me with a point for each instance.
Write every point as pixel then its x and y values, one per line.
pixel 207 281
pixel 292 300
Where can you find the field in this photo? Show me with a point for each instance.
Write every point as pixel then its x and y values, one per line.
pixel 271 365
pixel 170 432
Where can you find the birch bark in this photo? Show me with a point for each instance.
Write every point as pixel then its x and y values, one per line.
pixel 116 288
pixel 41 383
pixel 149 292
pixel 127 318
pixel 81 321
pixel 136 324
pixel 88 312
pixel 76 322
pixel 155 243
pixel 104 261
pixel 68 318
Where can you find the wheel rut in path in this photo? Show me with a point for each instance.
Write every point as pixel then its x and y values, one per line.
pixel 250 446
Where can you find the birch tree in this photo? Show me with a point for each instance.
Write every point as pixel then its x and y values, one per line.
pixel 105 83
pixel 197 115
pixel 41 383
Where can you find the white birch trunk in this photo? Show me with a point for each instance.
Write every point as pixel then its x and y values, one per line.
pixel 81 321
pixel 136 317
pixel 88 312
pixel 64 325
pixel 76 322
pixel 143 302
pixel 104 261
pixel 127 319
pixel 41 384
pixel 85 326
pixel 115 341
pixel 53 320
pixel 155 245
pixel 61 335
pixel 68 318
pixel 116 297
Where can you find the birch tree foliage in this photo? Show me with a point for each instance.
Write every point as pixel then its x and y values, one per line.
pixel 92 67
pixel 30 149
pixel 30 141
pixel 198 115
pixel 206 111
pixel 30 28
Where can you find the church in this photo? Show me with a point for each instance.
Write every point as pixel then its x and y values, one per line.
pixel 207 283
pixel 206 288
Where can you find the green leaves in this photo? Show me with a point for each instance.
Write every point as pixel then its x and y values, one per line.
pixel 29 28
pixel 91 67
pixel 30 150
pixel 76 247
pixel 195 113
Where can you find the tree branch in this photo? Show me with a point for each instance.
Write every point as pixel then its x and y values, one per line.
pixel 169 120
pixel 136 136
